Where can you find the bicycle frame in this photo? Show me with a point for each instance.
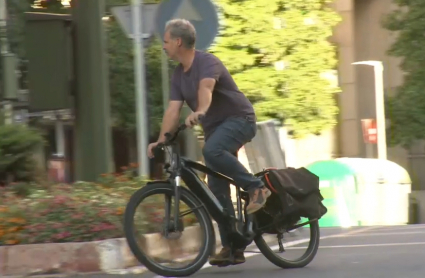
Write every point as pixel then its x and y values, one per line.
pixel 242 230
pixel 183 169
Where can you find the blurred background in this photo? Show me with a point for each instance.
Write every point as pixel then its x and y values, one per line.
pixel 337 87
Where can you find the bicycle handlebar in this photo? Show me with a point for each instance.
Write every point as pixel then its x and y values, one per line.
pixel 171 138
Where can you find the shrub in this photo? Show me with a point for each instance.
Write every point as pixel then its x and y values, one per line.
pixel 17 146
pixel 74 213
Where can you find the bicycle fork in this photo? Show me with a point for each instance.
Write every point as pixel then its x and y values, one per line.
pixel 176 215
pixel 176 202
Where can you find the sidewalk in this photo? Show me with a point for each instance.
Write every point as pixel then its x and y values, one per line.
pixel 107 256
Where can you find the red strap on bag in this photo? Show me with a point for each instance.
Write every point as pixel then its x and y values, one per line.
pixel 268 181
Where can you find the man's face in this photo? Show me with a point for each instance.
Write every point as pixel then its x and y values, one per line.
pixel 171 46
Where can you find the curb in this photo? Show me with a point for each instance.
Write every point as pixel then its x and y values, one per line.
pixel 106 256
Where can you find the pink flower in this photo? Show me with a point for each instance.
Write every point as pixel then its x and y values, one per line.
pixel 77 216
pixel 103 227
pixel 58 225
pixel 59 200
pixel 37 227
pixel 62 235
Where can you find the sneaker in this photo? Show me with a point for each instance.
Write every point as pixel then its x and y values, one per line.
pixel 224 257
pixel 257 199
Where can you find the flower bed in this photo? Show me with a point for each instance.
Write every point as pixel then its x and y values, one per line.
pixel 71 213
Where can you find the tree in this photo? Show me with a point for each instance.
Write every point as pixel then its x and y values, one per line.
pixel 279 54
pixel 121 67
pixel 407 109
pixel 121 70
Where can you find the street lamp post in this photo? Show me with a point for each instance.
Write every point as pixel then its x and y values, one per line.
pixel 379 104
pixel 140 76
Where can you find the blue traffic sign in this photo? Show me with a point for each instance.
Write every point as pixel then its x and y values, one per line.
pixel 201 13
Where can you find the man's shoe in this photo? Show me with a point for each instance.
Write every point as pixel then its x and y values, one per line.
pixel 239 257
pixel 224 257
pixel 257 199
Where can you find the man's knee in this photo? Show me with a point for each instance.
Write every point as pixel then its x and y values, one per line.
pixel 210 151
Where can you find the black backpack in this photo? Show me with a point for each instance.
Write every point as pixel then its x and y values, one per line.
pixel 295 194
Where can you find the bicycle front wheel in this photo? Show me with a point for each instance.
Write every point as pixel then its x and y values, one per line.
pixel 192 261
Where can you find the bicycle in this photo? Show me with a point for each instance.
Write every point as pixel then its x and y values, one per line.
pixel 244 227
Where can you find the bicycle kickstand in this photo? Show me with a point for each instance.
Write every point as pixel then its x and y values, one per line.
pixel 279 240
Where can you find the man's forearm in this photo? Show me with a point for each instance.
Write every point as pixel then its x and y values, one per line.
pixel 204 99
pixel 169 123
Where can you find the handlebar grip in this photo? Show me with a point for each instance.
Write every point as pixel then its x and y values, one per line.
pixel 159 146
pixel 182 127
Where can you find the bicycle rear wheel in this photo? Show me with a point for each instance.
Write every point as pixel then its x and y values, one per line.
pixel 308 240
pixel 205 227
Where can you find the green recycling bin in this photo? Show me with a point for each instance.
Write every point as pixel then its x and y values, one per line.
pixel 383 189
pixel 338 185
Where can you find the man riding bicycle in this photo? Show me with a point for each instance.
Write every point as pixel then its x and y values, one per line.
pixel 228 121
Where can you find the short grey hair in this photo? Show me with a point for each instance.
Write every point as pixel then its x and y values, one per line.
pixel 182 29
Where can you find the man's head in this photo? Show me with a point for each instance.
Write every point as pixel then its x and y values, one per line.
pixel 180 36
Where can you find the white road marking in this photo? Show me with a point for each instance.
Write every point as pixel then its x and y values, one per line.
pixel 385 234
pixel 366 245
pixel 401 228
pixel 293 243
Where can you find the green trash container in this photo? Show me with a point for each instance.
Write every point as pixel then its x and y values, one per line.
pixel 338 185
pixel 383 189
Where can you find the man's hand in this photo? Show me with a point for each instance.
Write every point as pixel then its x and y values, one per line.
pixel 193 119
pixel 150 149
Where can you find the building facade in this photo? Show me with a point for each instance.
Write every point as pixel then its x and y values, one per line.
pixel 360 37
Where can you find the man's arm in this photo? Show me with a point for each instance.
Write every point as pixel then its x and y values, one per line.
pixel 171 118
pixel 206 87
pixel 209 74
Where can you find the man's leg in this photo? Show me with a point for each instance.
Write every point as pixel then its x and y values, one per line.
pixel 218 151
pixel 221 190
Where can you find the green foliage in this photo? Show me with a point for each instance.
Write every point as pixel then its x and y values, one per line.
pixel 121 72
pixel 278 51
pixel 77 212
pixel 17 145
pixel 407 109
pixel 61 213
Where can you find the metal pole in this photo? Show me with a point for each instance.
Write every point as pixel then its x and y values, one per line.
pixel 369 150
pixel 378 69
pixel 165 80
pixel 380 110
pixel 165 86
pixel 8 108
pixel 60 137
pixel 3 26
pixel 140 76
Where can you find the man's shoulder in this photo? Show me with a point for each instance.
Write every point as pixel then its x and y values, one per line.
pixel 207 55
pixel 178 69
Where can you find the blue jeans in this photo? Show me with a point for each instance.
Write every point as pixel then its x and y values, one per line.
pixel 219 152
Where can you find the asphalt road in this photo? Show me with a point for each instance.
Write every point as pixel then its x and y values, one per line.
pixel 371 252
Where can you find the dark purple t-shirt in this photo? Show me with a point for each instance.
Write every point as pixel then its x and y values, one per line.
pixel 227 100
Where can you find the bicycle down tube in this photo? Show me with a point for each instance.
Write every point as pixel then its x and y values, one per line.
pixel 198 187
